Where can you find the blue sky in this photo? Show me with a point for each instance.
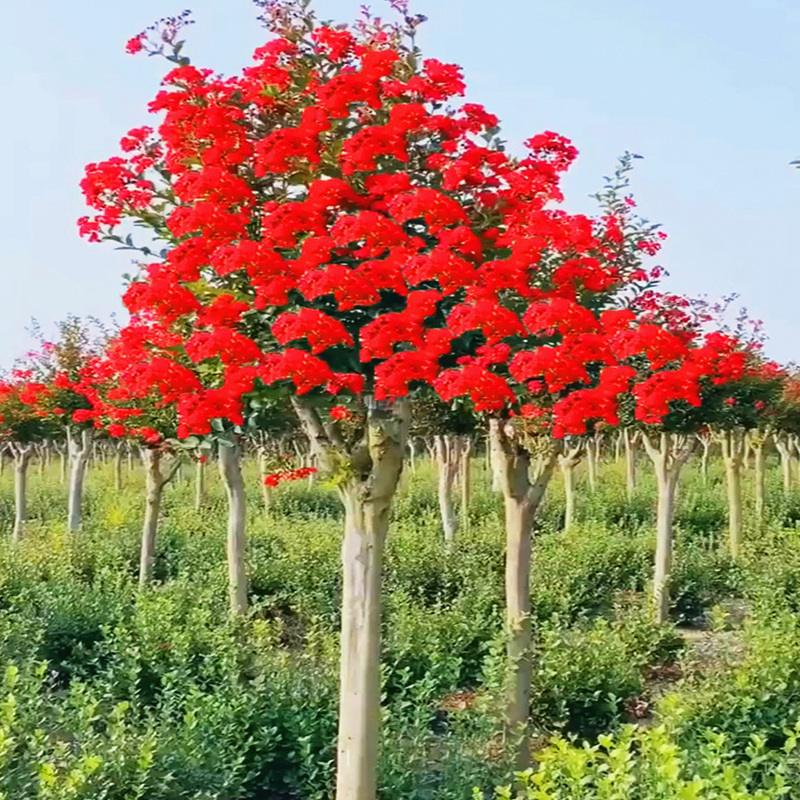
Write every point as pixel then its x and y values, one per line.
pixel 706 91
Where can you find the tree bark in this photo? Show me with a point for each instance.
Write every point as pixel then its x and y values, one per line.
pixel 521 499
pixel 733 456
pixel 199 483
pixel 155 481
pixel 592 458
pixel 372 468
pixel 567 463
pixel 705 440
pixel 22 457
pixel 669 457
pixel 366 527
pixel 79 452
pixel 757 441
pixel 447 449
pixel 784 447
pixel 465 478
pixel 266 491
pixel 630 463
pixel 118 454
pixel 230 469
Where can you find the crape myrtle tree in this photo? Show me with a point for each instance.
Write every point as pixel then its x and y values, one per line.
pixel 325 227
pixel 65 366
pixel 682 377
pixel 24 423
pixel 133 404
pixel 743 408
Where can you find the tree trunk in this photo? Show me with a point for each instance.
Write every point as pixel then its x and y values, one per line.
pixel 366 527
pixel 630 463
pixel 732 455
pixel 757 447
pixel 266 491
pixel 118 454
pixel 230 468
pixel 154 486
pixel 591 464
pixel 374 466
pixel 784 448
pixel 199 483
pixel 568 473
pixel 705 441
pixel 521 500
pixel 663 567
pixel 465 479
pixel 669 457
pixel 22 457
pixel 447 448
pixel 79 453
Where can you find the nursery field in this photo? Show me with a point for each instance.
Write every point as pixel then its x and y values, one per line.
pixel 111 692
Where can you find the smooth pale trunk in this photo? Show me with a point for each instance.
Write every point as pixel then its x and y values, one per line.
pixel 733 480
pixel 511 463
pixel 21 461
pixel 78 462
pixel 118 454
pixel 2 463
pixel 785 452
pixel 704 461
pixel 466 482
pixel 568 472
pixel 591 464
pixel 664 539
pixel 199 484
pixel 375 465
pixel 519 521
pixel 630 464
pixel 447 463
pixel 759 478
pixel 366 527
pixel 266 491
pixel 669 455
pixel 412 455
pixel 62 466
pixel 230 469
pixel 41 463
pixel 154 489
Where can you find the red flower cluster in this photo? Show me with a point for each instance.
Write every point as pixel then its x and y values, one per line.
pixel 329 225
pixel 288 475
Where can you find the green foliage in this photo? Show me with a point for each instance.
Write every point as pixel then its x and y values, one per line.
pixel 112 693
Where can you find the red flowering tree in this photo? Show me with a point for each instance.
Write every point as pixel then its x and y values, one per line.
pixel 747 409
pixel 23 424
pixel 324 226
pixel 132 402
pixel 64 366
pixel 684 379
